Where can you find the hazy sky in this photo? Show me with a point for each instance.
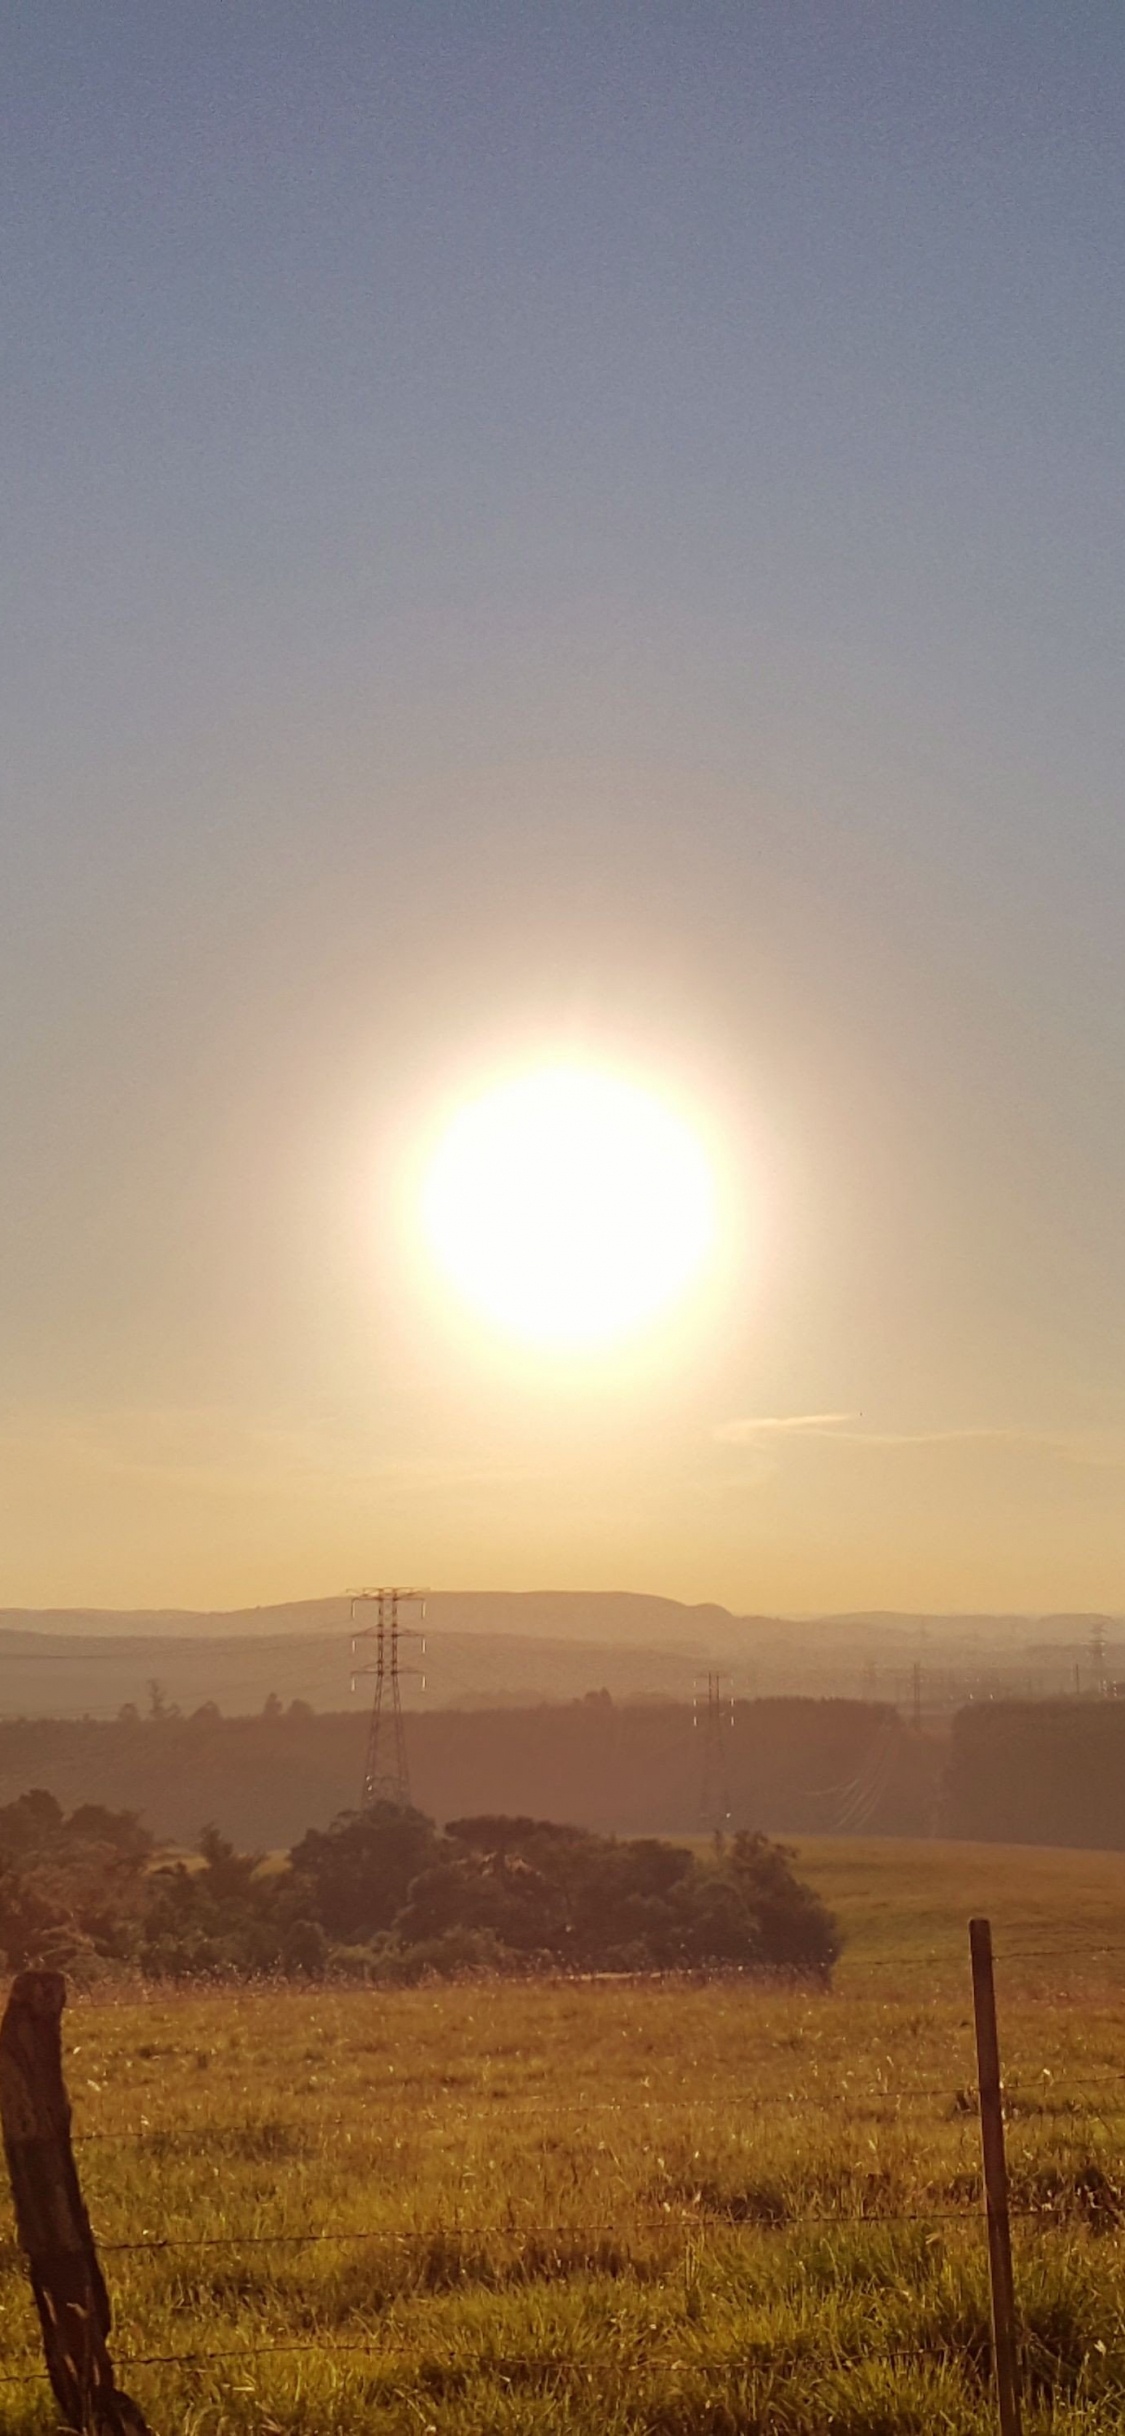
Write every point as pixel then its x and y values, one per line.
pixel 563 527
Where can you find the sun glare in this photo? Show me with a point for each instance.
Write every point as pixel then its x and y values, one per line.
pixel 568 1206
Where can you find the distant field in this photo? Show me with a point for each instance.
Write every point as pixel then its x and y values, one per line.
pixel 621 2210
pixel 910 1901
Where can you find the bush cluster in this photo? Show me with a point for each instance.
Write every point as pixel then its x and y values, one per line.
pixel 385 1894
pixel 72 1890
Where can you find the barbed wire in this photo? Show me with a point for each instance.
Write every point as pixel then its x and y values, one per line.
pixel 946 1956
pixel 687 2225
pixel 719 2219
pixel 939 2356
pixel 692 2221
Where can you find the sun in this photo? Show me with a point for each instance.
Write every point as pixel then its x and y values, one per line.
pixel 568 1206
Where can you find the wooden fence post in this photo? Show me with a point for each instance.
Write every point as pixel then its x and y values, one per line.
pixel 1004 2360
pixel 51 2219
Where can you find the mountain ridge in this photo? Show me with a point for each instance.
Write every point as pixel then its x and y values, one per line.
pixel 562 1614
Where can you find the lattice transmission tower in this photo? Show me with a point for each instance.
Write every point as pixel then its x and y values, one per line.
pixel 386 1774
pixel 712 1718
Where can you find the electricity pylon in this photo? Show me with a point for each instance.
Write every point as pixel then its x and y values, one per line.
pixel 713 1722
pixel 386 1775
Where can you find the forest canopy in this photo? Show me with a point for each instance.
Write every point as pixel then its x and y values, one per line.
pixel 385 1894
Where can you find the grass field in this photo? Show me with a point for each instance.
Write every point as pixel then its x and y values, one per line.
pixel 683 2210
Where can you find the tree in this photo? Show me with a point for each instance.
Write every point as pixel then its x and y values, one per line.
pixel 72 1890
pixel 796 1929
pixel 353 1877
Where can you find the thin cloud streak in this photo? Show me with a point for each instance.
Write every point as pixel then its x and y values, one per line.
pixel 1100 1451
pixel 813 1425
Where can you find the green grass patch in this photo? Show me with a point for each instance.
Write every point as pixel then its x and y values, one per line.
pixel 637 2210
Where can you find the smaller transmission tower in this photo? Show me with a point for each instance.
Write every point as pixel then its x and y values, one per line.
pixel 386 1775
pixel 713 1720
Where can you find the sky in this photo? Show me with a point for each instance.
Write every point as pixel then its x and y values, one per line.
pixel 582 531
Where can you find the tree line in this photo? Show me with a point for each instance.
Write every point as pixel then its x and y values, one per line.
pixel 384 1894
pixel 631 1768
pixel 1038 1772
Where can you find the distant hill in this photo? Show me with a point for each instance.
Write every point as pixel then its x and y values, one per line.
pixel 45 1674
pixel 575 1615
pixel 619 1617
pixel 490 1648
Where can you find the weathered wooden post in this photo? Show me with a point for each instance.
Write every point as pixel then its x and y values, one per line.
pixel 1004 2359
pixel 51 2219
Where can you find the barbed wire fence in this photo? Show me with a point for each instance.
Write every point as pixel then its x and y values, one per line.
pixel 681 2220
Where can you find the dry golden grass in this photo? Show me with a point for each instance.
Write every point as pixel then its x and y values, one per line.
pixel 683 2210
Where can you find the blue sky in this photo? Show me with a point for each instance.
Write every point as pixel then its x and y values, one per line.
pixel 534 522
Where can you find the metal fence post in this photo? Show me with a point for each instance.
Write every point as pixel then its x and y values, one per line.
pixel 1004 2359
